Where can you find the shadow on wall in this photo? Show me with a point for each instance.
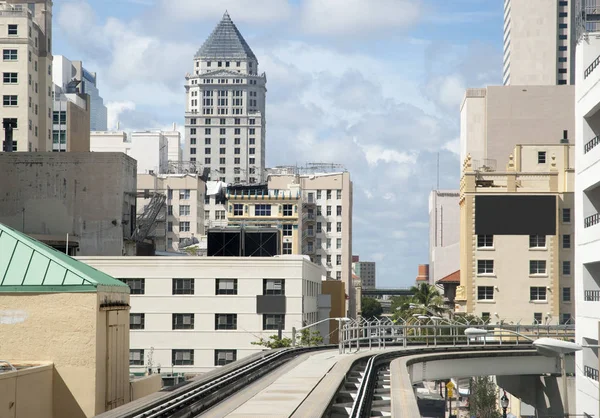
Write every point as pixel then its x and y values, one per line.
pixel 64 404
pixel 541 392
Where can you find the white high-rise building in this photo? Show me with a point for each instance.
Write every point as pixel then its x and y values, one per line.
pixel 26 43
pixel 444 234
pixel 225 108
pixel 538 42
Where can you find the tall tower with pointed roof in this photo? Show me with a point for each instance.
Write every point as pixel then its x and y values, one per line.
pixel 225 108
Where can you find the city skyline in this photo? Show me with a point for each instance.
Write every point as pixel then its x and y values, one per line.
pixel 415 67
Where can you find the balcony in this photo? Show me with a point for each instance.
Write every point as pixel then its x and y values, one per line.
pixel 591 295
pixel 308 250
pixel 308 217
pixel 310 233
pixel 591 220
pixel 590 372
pixel 588 146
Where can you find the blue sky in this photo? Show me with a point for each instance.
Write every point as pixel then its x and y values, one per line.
pixel 375 85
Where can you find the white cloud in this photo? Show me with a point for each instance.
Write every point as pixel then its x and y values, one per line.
pixel 115 110
pixel 258 11
pixel 357 17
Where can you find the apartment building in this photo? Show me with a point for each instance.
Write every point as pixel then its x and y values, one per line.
pixel 329 196
pixel 215 210
pixel 70 120
pixel 26 39
pixel 225 108
pixel 516 240
pixel 444 234
pixel 367 272
pixel 183 216
pixel 539 42
pixel 281 209
pixel 587 226
pixel 192 314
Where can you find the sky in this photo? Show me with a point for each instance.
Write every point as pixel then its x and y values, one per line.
pixel 374 85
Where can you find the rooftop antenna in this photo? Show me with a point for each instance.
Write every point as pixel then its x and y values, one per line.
pixel 438 171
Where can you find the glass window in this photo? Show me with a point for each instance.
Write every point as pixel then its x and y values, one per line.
pixel 566 268
pixel 272 321
pixel 223 357
pixel 566 294
pixel 485 266
pixel 262 210
pixel 182 357
pixel 288 210
pixel 225 321
pixel 136 357
pixel 537 293
pixel 226 287
pixel 10 78
pixel 566 241
pixel 485 241
pixel 137 286
pixel 183 321
pixel 12 29
pixel 541 157
pixel 537 241
pixel 287 247
pixel 287 230
pixel 485 292
pixel 537 266
pixel 137 321
pixel 9 54
pixel 183 286
pixel 238 209
pixel 566 215
pixel 273 286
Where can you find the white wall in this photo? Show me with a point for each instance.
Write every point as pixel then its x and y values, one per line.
pixel 151 151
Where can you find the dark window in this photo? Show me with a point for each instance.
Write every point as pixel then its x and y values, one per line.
pixel 537 293
pixel 12 30
pixel 485 266
pixel 566 215
pixel 541 157
pixel 563 26
pixel 562 37
pixel 262 210
pixel 11 78
pixel 485 316
pixel 273 287
pixel 562 48
pixel 566 241
pixel 226 287
pixel 238 209
pixel 137 321
pixel 484 241
pixel 566 294
pixel 9 54
pixel 339 210
pixel 223 357
pixel 183 321
pixel 537 241
pixel 225 321
pixel 537 266
pixel 566 268
pixel 562 70
pixel 563 14
pixel 562 59
pixel 287 247
pixel 137 286
pixel 485 292
pixel 182 357
pixel 272 321
pixel 537 318
pixel 288 210
pixel 183 286
pixel 287 230
pixel 136 357
pixel 565 318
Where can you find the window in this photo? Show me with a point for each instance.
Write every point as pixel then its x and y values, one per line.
pixel 537 241
pixel 328 194
pixel 184 226
pixel 566 241
pixel 485 266
pixel 537 293
pixel 222 141
pixel 328 243
pixel 338 243
pixel 206 141
pixel 236 160
pixel 328 226
pixel 563 14
pixel 136 321
pixel 184 193
pixel 537 266
pixel 170 210
pixel 563 26
pixel 274 287
pixel 222 151
pixel 339 210
pixel 485 316
pixel 318 194
pixel 136 357
pixel 562 37
pixel 226 287
pixel 566 294
pixel 225 321
pixel 137 286
pixel 339 194
pixel 237 151
pixel 262 210
pixel 272 321
pixel 206 131
pixel 562 59
pixel 287 230
pixel 566 268
pixel 287 248
pixel 328 210
pixel 251 151
pixel 10 100
pixel 183 286
pixel 319 227
pixel 222 160
pixel 339 227
pixel 485 292
pixel 485 241
pixel 12 30
pixel 238 209
pixel 541 157
pixel 338 260
pixel 182 357
pixel 9 54
pixel 10 78
pixel 565 318
pixel 288 210
pixel 183 321
pixel 169 226
pixel 184 210
pixel 566 215
pixel 207 151
pixel 251 161
pixel 537 318
pixel 223 357
pixel 251 131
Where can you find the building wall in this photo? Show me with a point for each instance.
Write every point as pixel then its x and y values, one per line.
pixel 76 130
pixel 491 126
pixel 366 270
pixel 87 195
pixel 145 386
pixel 174 144
pixel 336 289
pixel 151 151
pixel 110 141
pixel 511 253
pixel 444 233
pixel 27 392
pixel 302 285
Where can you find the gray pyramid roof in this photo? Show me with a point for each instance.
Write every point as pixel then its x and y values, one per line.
pixel 225 41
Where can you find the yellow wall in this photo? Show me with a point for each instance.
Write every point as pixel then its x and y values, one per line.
pixel 145 386
pixel 336 289
pixel 27 393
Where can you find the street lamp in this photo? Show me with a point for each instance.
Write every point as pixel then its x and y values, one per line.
pixel 340 320
pixel 504 404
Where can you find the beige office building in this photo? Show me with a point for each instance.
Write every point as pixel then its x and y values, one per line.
pixel 519 268
pixel 539 47
pixel 26 43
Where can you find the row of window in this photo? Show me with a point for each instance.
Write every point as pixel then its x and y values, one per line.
pixel 223 151
pixel 222 286
pixel 222 131
pixel 328 194
pixel 184 357
pixel 223 141
pixel 535 267
pixel 536 293
pixel 535 241
pixel 565 318
pixel 222 160
pixel 327 227
pixel 222 121
pixel 137 321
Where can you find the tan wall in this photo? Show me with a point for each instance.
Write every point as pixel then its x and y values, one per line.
pixel 337 291
pixel 145 386
pixel 78 127
pixel 27 393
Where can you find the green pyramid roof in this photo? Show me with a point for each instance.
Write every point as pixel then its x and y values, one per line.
pixel 27 265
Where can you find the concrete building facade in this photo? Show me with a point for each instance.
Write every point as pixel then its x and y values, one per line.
pixel 225 108
pixel 587 233
pixel 215 210
pixel 151 151
pixel 493 120
pixel 518 267
pixel 198 313
pixel 367 272
pixel 444 234
pixel 90 196
pixel 26 43
pixel 70 122
pixel 539 48
pixel 174 144
pixel 110 141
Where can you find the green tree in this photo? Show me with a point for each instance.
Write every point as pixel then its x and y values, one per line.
pixel 428 296
pixel 483 398
pixel 274 342
pixel 371 308
pixel 308 338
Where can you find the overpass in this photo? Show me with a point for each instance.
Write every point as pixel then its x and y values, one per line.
pixel 367 375
pixel 380 292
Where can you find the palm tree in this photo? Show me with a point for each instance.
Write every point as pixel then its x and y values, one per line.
pixel 427 296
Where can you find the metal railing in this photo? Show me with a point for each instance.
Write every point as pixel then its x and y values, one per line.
pixel 591 67
pixel 588 146
pixel 591 295
pixel 591 220
pixel 590 372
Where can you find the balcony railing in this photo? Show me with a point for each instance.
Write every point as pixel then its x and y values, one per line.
pixel 591 295
pixel 591 67
pixel 591 144
pixel 591 220
pixel 590 372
